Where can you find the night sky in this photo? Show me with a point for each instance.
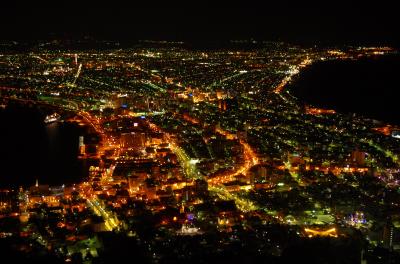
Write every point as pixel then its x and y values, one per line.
pixel 333 23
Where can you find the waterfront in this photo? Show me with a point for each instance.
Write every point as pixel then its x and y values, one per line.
pixel 34 150
pixel 367 86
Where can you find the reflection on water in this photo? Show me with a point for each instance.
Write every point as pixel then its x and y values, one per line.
pixel 34 150
pixel 52 132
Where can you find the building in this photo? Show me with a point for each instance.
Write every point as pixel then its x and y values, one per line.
pixel 133 140
pixel 358 157
pixel 121 100
pixel 387 236
pixel 258 174
pixel 39 194
pixel 82 148
pixel 201 188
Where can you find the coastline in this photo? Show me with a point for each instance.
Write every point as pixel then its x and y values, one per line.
pixel 360 98
pixel 47 147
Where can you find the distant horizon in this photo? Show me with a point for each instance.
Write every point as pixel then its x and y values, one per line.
pixel 188 43
pixel 305 23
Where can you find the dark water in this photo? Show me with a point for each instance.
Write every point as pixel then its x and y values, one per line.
pixel 368 86
pixel 31 149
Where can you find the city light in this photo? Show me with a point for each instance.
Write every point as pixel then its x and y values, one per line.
pixel 187 152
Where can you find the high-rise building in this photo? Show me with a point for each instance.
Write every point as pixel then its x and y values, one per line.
pixel 387 236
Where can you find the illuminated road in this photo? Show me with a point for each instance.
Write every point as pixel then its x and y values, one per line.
pixel 250 157
pixel 242 204
pixel 280 87
pixel 250 160
pixel 216 183
pixel 108 143
pixel 217 83
pixel 102 83
pixel 188 165
pixel 387 153
pixel 110 219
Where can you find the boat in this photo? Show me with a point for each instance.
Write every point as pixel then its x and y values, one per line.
pixel 52 118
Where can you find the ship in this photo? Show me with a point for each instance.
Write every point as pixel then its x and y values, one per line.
pixel 52 118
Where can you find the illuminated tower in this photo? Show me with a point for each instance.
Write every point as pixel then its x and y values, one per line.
pixel 388 232
pixel 76 59
pixel 81 146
